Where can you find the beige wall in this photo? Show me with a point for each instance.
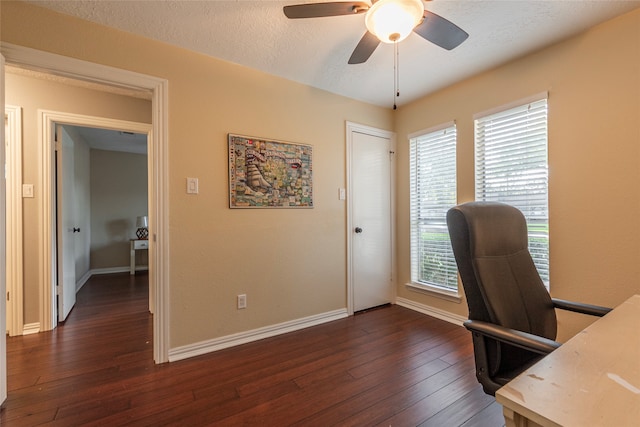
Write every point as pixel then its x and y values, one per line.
pixel 33 94
pixel 290 263
pixel 593 82
pixel 118 197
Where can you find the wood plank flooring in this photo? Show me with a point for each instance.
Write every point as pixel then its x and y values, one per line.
pixel 386 367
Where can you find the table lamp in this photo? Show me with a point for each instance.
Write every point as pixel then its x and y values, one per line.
pixel 142 222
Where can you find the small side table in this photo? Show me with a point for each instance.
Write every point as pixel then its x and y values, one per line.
pixel 136 245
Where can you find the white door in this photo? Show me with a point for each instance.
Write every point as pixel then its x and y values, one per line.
pixel 371 158
pixel 66 224
pixel 3 258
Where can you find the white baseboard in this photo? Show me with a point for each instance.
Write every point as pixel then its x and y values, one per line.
pixel 208 346
pixel 108 270
pixel 31 328
pixel 431 311
pixel 111 270
pixel 80 283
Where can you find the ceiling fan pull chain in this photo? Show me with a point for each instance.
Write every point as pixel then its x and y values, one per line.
pixel 396 89
pixel 397 70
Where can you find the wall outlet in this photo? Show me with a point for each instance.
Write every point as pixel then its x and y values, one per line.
pixel 242 301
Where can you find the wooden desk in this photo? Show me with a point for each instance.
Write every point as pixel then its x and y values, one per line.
pixel 136 245
pixel 591 380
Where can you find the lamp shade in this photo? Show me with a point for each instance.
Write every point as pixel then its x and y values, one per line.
pixel 142 222
pixel 393 20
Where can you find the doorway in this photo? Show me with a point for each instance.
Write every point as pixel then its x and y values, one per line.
pixel 31 59
pixel 371 168
pixel 53 308
pixel 101 188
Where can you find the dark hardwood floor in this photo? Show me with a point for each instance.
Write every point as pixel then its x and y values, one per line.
pixel 388 367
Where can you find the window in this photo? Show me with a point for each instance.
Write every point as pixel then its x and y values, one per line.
pixel 511 167
pixel 433 193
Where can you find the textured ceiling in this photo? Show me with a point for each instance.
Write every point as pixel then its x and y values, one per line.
pixel 315 51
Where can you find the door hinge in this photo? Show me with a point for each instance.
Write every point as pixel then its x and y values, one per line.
pixel 8 299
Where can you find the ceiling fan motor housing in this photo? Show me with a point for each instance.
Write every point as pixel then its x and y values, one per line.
pixel 388 21
pixel 392 21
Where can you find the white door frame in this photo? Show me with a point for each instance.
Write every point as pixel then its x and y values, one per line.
pixel 3 208
pixel 158 172
pixel 368 130
pixel 47 121
pixel 15 320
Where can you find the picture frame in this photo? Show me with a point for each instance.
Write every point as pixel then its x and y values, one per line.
pixel 267 173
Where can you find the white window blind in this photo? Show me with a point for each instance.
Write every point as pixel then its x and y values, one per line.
pixel 511 167
pixel 433 193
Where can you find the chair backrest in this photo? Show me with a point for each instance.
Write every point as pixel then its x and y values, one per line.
pixel 500 280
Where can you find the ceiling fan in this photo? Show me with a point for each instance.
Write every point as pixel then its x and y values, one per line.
pixel 388 21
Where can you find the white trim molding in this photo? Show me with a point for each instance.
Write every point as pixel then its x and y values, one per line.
pixel 111 270
pixel 3 255
pixel 208 346
pixel 31 328
pixel 512 104
pixel 158 153
pixel 106 270
pixel 13 116
pixel 431 311
pixel 432 291
pixel 80 282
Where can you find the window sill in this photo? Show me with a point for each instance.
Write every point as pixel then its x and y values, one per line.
pixel 435 292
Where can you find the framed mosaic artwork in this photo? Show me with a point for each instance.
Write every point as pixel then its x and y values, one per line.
pixel 266 173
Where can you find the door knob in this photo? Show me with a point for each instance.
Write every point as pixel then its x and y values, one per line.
pixel 358 230
pixel 76 230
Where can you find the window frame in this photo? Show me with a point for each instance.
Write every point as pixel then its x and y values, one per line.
pixel 442 290
pixel 533 207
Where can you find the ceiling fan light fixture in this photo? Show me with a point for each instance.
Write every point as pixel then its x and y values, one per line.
pixel 393 20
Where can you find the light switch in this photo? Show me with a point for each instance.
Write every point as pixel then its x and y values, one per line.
pixel 342 193
pixel 27 190
pixel 192 185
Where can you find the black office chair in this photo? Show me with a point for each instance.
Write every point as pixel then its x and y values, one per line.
pixel 511 315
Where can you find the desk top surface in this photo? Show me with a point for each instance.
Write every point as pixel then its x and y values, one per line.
pixel 591 380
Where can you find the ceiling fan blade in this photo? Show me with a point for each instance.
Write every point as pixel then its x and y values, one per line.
pixel 368 43
pixel 317 10
pixel 440 31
